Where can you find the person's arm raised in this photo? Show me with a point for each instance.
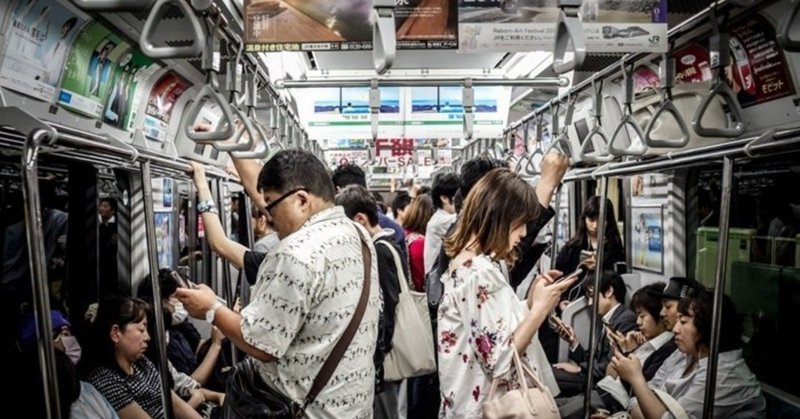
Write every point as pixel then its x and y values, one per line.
pixel 232 251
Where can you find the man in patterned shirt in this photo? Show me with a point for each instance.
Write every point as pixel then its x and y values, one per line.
pixel 306 293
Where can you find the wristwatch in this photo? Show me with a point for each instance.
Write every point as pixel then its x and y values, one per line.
pixel 206 206
pixel 212 312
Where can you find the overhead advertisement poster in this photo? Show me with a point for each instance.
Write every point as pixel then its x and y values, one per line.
pixel 345 25
pixel 122 101
pixel 37 39
pixel 91 64
pixel 528 25
pixel 161 103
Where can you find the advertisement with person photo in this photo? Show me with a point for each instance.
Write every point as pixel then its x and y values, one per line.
pixel 38 36
pixel 161 103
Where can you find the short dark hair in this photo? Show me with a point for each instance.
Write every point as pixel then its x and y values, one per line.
pixel 646 299
pixel 111 202
pixel 471 172
pixel 401 201
pixel 356 199
pixel 166 283
pixel 607 280
pixel 445 185
pixel 113 310
pixel 290 169
pixel 348 174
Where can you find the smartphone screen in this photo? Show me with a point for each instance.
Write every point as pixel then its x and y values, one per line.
pixel 570 276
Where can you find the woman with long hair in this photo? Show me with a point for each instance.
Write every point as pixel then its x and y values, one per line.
pixel 481 322
pixel 415 222
pixel 581 249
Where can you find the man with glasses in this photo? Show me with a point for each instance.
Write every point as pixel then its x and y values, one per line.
pixel 306 293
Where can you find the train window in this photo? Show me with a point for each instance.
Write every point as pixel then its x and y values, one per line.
pixel 763 261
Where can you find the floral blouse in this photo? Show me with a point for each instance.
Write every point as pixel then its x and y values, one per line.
pixel 477 317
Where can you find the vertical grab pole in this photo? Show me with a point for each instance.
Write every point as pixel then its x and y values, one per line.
pixel 158 311
pixel 554 245
pixel 601 237
pixel 227 290
pixel 191 228
pixel 244 289
pixel 719 290
pixel 38 268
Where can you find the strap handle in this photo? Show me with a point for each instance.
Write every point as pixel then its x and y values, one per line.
pixel 324 374
pixel 397 265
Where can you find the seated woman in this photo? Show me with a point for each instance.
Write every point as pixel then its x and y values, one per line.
pixel 682 377
pixel 119 369
pixel 481 322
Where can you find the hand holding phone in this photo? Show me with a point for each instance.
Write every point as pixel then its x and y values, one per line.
pixel 570 276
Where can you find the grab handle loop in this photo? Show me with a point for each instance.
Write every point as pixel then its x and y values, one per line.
pixel 667 72
pixel 210 92
pixel 628 121
pixel 569 28
pixel 719 43
pixel 251 99
pixel 384 38
pixel 596 156
pixel 156 15
pixel 785 27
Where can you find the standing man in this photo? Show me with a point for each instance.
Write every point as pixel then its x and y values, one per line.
pixel 444 189
pixel 306 293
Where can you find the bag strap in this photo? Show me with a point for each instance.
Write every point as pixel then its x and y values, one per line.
pixel 325 373
pixel 401 276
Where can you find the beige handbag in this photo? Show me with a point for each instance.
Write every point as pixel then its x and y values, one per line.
pixel 412 342
pixel 534 402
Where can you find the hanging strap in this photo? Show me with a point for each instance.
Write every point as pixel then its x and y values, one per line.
pixel 324 374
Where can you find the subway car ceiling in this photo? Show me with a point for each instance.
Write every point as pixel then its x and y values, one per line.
pixel 431 109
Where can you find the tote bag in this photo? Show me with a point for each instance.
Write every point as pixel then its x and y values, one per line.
pixel 531 400
pixel 412 342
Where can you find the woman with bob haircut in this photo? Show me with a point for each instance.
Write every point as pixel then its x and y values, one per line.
pixel 481 320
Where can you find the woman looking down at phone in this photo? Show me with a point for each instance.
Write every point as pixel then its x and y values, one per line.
pixel 581 249
pixel 481 322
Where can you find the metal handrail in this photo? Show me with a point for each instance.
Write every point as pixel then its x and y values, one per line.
pixel 628 120
pixel 420 81
pixel 113 5
pixel 667 72
pixel 157 13
pixel 568 28
pixel 678 30
pixel 783 139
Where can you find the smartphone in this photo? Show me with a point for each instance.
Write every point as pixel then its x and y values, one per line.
pixel 556 321
pixel 194 286
pixel 608 325
pixel 570 276
pixel 586 254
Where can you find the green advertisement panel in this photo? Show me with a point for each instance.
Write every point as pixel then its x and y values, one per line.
pixel 91 64
pixel 122 101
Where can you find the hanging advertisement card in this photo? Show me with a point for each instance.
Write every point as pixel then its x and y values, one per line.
pixel 37 39
pixel 134 68
pixel 160 104
pixel 345 25
pixel 648 233
pixel 529 25
pixel 91 64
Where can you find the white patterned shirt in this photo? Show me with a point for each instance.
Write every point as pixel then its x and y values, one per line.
pixel 478 315
pixel 306 294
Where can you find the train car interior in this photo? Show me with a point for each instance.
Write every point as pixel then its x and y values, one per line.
pixel 684 115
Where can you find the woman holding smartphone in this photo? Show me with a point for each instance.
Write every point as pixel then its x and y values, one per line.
pixel 581 249
pixel 481 322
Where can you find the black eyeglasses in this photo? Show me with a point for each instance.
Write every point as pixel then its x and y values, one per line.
pixel 275 203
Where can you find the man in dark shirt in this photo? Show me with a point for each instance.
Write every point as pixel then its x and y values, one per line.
pixel 361 208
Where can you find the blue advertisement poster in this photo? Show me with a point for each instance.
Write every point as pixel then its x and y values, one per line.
pixel 164 238
pixel 38 37
pixel 648 232
pixel 355 100
pixel 449 100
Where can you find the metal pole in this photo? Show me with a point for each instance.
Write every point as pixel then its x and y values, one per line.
pixel 244 289
pixel 158 311
pixel 719 289
pixel 601 236
pixel 191 227
pixel 38 267
pixel 554 245
pixel 422 81
pixel 227 290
